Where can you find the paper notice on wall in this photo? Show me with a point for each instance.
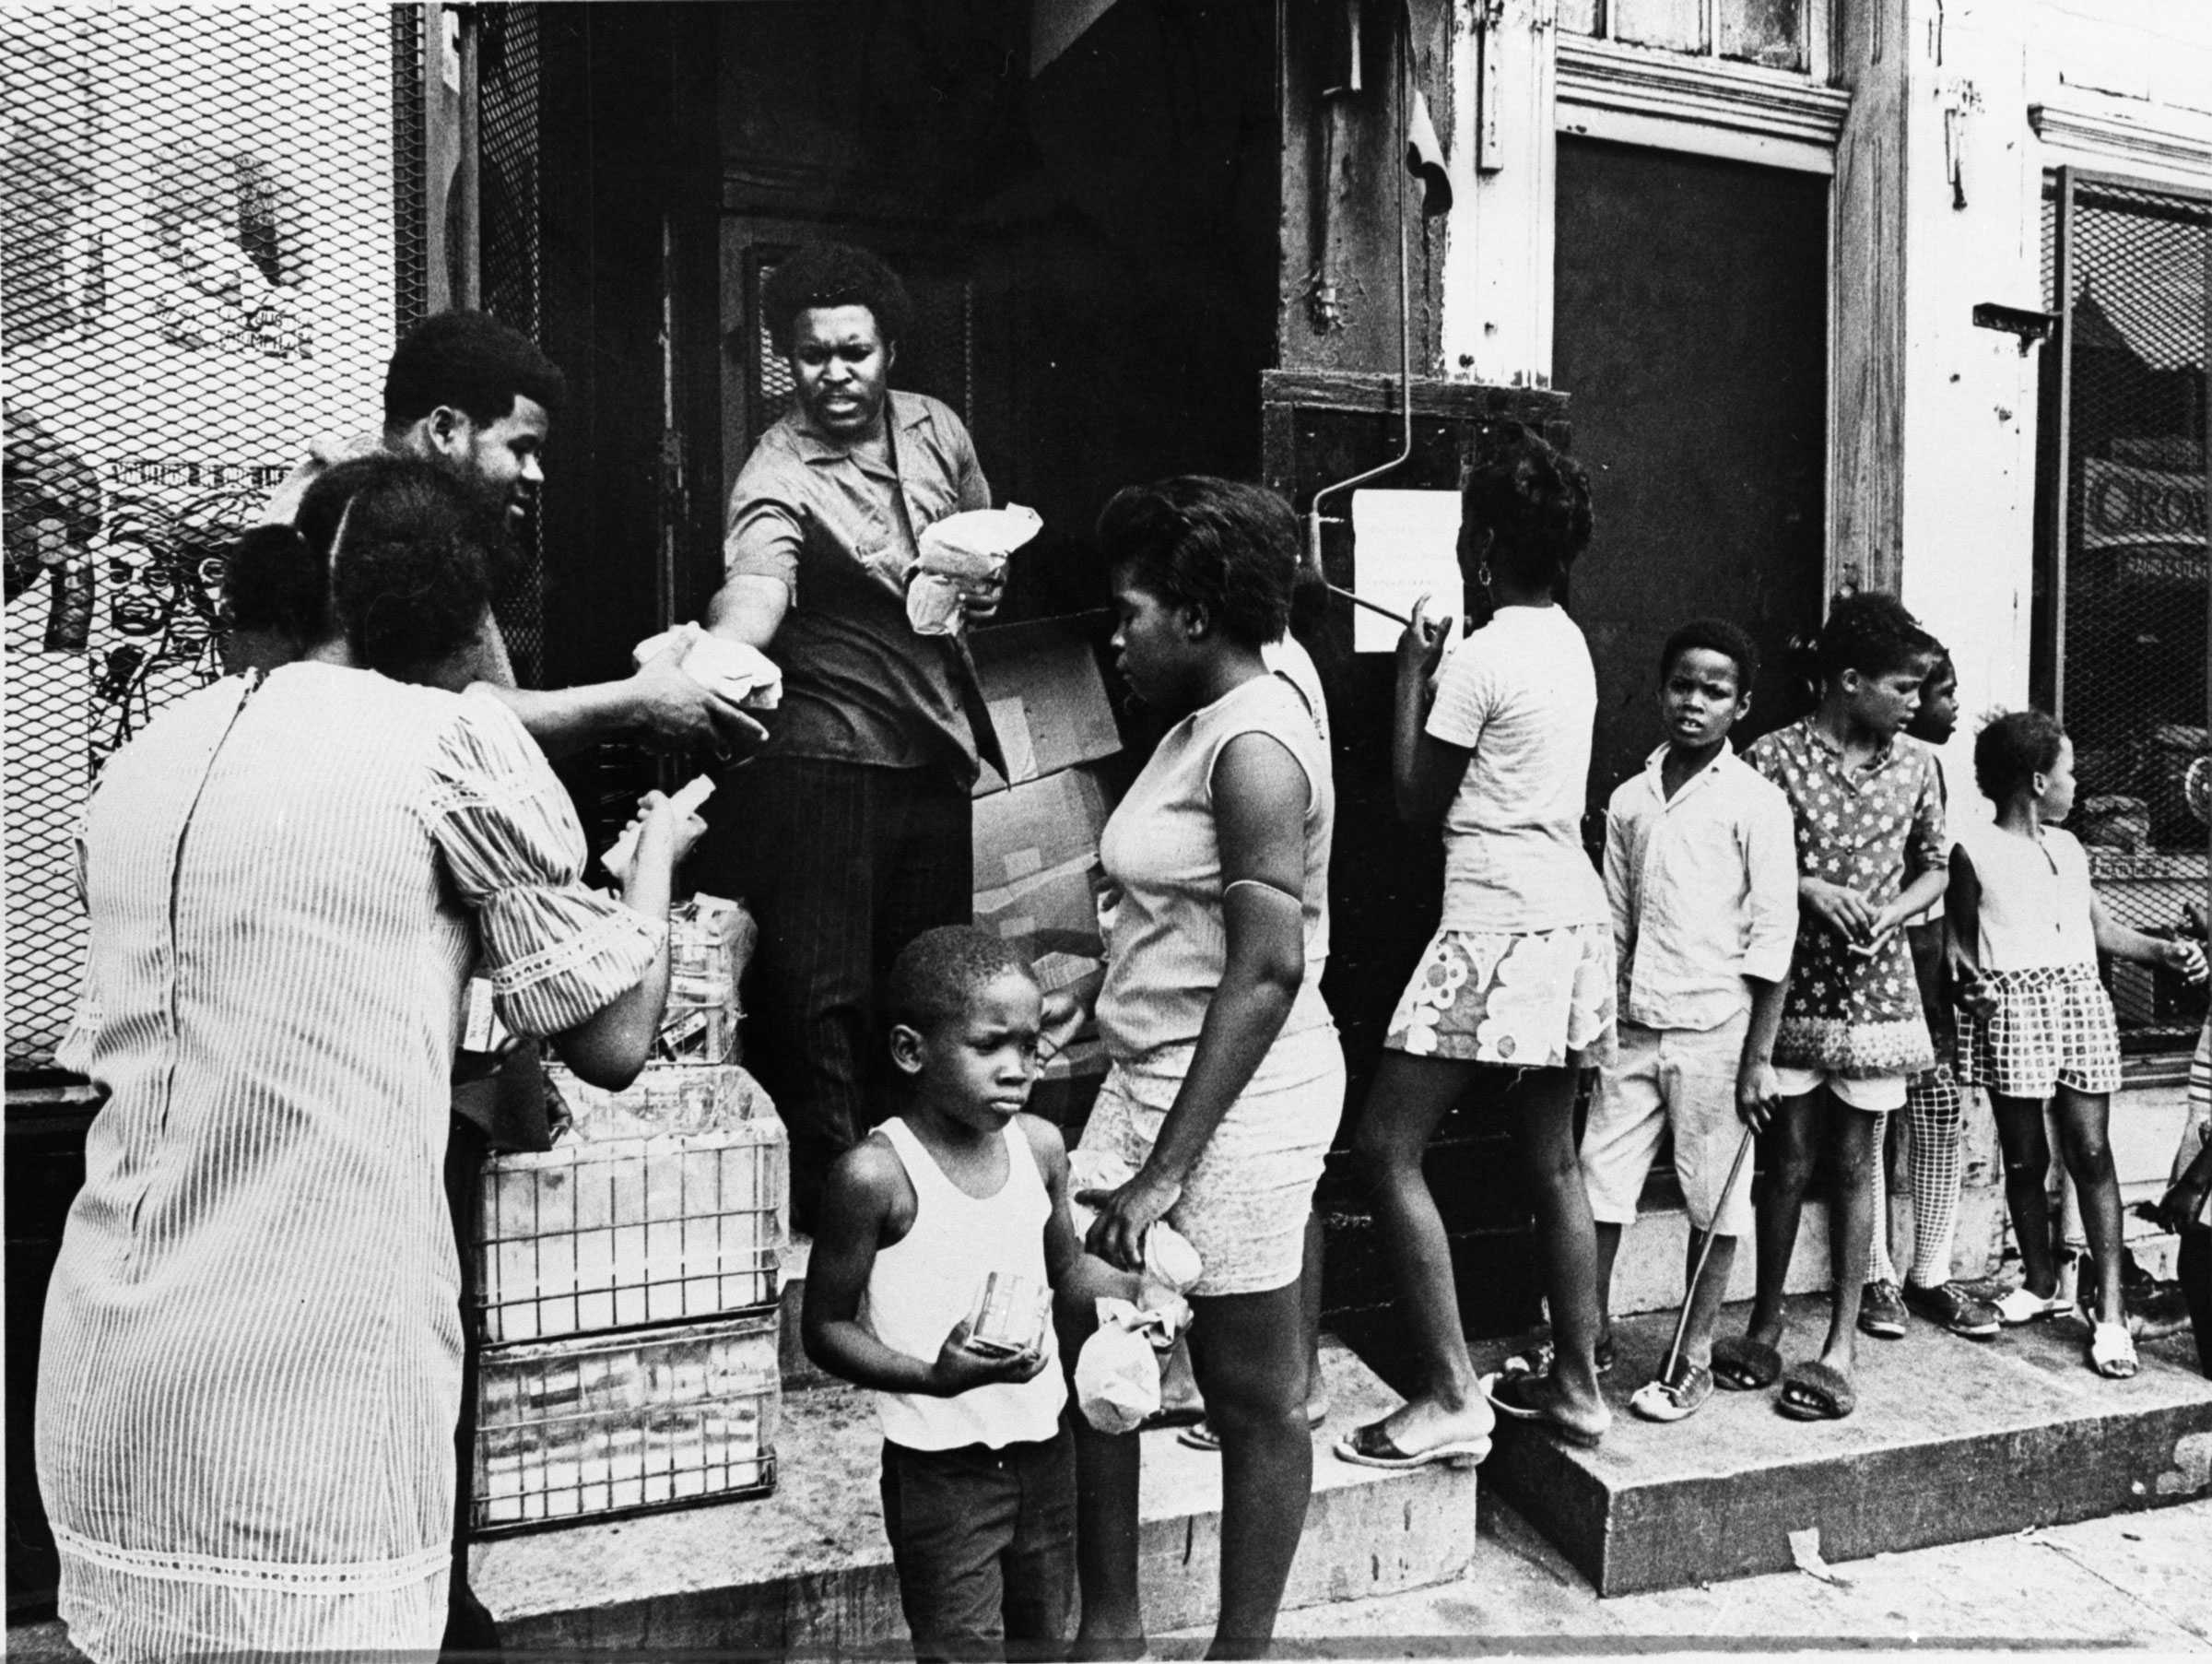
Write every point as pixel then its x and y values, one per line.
pixel 1405 545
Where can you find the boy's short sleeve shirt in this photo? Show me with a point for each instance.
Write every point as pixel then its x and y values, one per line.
pixel 1848 1014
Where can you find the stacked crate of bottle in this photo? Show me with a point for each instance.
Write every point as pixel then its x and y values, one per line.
pixel 625 1288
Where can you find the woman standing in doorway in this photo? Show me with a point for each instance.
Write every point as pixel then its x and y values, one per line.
pixel 1514 992
pixel 1228 1079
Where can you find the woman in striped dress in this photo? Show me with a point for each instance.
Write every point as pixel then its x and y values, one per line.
pixel 250 1360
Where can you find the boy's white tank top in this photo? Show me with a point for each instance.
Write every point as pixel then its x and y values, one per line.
pixel 926 1284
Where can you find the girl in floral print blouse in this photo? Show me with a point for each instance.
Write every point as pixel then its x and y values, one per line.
pixel 1871 853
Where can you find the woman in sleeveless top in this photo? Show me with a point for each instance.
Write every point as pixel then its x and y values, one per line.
pixel 251 1353
pixel 1227 1080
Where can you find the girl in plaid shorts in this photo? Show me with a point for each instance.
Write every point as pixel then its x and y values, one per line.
pixel 2036 1024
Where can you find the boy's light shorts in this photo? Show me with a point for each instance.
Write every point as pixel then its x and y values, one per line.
pixel 1683 1079
pixel 1876 1095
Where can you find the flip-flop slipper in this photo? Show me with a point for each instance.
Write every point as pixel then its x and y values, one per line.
pixel 1370 1446
pixel 1822 1394
pixel 1505 1394
pixel 1743 1364
pixel 1180 1415
pixel 1202 1436
pixel 1675 1397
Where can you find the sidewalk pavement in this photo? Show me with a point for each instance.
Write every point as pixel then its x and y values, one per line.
pixel 2132 1583
pixel 2129 1582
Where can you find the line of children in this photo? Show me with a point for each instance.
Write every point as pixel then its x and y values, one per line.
pixel 1758 909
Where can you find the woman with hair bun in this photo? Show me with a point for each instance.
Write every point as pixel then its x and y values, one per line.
pixel 251 1361
pixel 1514 992
pixel 1228 1079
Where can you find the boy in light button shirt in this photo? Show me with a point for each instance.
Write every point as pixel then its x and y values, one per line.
pixel 1702 876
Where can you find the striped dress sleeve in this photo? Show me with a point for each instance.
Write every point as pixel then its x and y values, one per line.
pixel 556 950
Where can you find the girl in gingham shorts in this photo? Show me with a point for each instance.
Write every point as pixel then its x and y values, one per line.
pixel 2036 1024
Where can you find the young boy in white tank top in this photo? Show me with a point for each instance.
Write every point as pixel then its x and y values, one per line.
pixel 978 1479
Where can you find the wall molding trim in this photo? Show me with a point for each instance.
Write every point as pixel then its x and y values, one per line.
pixel 1607 90
pixel 2123 135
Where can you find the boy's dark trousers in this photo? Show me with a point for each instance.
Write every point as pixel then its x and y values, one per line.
pixel 2193 1265
pixel 984 1544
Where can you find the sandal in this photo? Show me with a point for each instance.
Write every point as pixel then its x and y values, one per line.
pixel 1200 1435
pixel 1538 1356
pixel 2113 1351
pixel 1676 1397
pixel 2021 1307
pixel 1509 1395
pixel 1370 1446
pixel 1812 1391
pixel 1743 1364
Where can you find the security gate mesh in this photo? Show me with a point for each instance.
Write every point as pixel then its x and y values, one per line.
pixel 2126 545
pixel 212 235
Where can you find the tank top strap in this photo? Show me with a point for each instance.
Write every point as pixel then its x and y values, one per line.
pixel 926 1175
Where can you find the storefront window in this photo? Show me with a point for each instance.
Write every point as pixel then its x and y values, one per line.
pixel 1674 25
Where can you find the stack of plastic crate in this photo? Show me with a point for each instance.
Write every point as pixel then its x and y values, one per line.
pixel 628 1281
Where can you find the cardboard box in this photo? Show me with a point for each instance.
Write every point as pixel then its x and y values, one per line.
pixel 1047 700
pixel 1038 824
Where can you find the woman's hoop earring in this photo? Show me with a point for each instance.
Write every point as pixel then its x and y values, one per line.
pixel 1482 574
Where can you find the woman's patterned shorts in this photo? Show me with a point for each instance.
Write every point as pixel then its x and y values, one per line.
pixel 1534 1000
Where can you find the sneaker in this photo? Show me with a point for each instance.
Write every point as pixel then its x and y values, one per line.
pixel 1882 1311
pixel 1951 1307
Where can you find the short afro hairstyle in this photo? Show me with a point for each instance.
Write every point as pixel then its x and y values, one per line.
pixel 1535 503
pixel 1870 633
pixel 937 975
pixel 412 554
pixel 2013 749
pixel 833 273
pixel 471 363
pixel 1715 635
pixel 1219 544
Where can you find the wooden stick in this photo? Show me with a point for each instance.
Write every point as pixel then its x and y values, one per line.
pixel 1696 1273
pixel 1397 617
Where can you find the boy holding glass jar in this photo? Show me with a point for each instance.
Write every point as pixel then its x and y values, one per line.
pixel 941 1238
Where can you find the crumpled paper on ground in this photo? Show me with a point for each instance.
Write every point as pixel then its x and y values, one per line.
pixel 961 555
pixel 743 675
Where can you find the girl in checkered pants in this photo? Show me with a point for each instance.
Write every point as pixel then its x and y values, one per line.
pixel 2036 1023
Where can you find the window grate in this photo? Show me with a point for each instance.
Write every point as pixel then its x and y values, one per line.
pixel 2126 550
pixel 211 238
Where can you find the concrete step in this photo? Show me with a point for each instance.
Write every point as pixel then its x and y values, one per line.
pixel 1952 1439
pixel 808 1570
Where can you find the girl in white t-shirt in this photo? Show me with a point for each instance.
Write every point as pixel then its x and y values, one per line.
pixel 1515 991
pixel 2036 1023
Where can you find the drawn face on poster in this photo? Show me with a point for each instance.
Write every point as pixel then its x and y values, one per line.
pixel 231 237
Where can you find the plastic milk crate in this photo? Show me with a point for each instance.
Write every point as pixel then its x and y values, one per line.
pixel 664 1204
pixel 612 1424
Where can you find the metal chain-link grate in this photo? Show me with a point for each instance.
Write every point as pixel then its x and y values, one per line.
pixel 205 270
pixel 2129 273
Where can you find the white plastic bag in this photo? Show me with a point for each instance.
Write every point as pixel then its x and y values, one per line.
pixel 1172 1264
pixel 1117 1374
pixel 963 555
pixel 741 674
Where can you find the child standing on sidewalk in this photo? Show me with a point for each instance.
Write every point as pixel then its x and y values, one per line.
pixel 1870 853
pixel 2038 1022
pixel 1702 876
pixel 1934 1114
pixel 978 1477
